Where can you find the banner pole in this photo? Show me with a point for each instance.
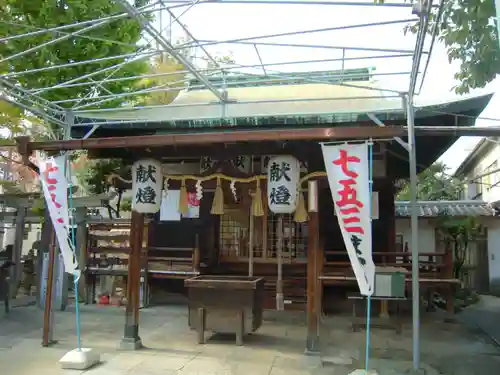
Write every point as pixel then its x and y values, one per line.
pixel 415 284
pixel 73 241
pixel 369 301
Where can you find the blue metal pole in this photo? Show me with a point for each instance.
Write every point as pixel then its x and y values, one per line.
pixel 73 241
pixel 369 301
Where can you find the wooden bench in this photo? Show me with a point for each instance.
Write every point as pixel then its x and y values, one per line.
pixel 382 321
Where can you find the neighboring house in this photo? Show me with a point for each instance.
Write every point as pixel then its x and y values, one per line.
pixel 483 257
pixel 480 171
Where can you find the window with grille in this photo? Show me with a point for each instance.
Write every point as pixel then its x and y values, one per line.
pixel 234 230
pixel 292 237
pixel 268 235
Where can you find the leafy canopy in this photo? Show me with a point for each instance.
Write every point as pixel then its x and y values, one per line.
pixel 468 30
pixel 433 184
pixel 115 38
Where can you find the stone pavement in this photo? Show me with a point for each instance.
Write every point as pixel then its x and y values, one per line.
pixel 276 349
pixel 485 315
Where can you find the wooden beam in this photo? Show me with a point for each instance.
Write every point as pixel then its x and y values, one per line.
pixel 131 339
pixel 313 315
pixel 209 138
pixel 48 320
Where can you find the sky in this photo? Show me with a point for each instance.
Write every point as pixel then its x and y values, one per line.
pixel 223 22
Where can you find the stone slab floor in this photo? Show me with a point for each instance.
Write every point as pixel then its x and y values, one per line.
pixel 276 349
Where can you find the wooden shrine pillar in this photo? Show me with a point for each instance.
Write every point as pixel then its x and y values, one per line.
pixel 314 254
pixel 196 254
pixel 43 248
pixel 131 339
pixel 49 295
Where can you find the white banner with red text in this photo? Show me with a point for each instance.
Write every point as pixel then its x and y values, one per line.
pixel 348 176
pixel 55 190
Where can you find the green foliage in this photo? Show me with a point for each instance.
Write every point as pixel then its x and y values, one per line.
pixel 10 187
pixel 433 184
pixel 117 37
pixel 169 76
pixel 126 205
pixel 458 234
pixel 93 177
pixel 469 32
pixel 38 208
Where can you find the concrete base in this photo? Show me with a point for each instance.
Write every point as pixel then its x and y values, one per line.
pixel 130 344
pixel 363 372
pixel 313 353
pixel 339 357
pixel 280 302
pixel 312 346
pixel 79 359
pixel 416 372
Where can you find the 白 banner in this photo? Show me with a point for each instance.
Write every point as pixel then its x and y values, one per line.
pixel 348 175
pixel 55 190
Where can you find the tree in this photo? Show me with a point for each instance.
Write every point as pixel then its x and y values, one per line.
pixel 169 76
pixel 470 35
pixel 118 37
pixel 17 177
pixel 433 184
pixel 458 235
pixel 93 177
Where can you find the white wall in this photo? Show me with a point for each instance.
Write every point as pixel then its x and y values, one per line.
pixel 427 243
pixel 489 194
pixel 426 237
pixel 494 253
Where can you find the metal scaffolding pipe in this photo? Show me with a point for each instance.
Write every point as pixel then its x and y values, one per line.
pixel 76 63
pixel 181 3
pixel 253 66
pixel 63 27
pixel 219 137
pixel 166 45
pixel 302 32
pixel 195 105
pixel 173 87
pixel 415 283
pixel 93 74
pixel 54 41
pixel 471 131
pixel 314 46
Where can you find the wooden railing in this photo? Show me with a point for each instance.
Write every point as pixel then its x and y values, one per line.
pixel 437 265
pixel 175 261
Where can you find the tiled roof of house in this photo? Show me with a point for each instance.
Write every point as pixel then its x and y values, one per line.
pixel 446 208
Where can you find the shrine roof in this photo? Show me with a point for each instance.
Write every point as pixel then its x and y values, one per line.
pixel 446 208
pixel 276 106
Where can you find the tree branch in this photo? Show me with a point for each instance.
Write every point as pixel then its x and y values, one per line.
pixel 31 166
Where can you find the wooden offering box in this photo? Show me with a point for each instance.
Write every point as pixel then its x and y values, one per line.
pixel 225 304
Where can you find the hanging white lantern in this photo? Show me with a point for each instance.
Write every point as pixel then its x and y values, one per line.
pixel 147 182
pixel 264 162
pixel 283 173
